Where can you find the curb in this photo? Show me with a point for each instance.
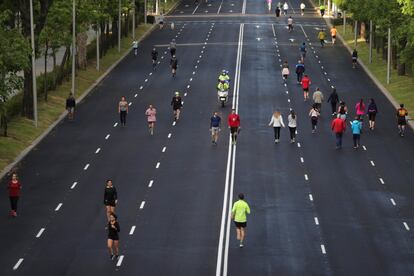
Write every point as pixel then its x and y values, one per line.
pixel 62 116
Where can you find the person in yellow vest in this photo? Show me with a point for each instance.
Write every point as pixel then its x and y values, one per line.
pixel 322 37
pixel 223 85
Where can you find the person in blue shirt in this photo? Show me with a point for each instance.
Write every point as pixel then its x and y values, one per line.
pixel 215 124
pixel 356 127
pixel 300 69
pixel 302 50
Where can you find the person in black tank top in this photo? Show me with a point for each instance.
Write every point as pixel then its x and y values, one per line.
pixel 113 237
pixel 110 198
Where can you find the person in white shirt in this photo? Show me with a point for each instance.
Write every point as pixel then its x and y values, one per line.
pixel 285 73
pixel 314 115
pixel 302 8
pixel 285 8
pixel 277 123
pixel 292 122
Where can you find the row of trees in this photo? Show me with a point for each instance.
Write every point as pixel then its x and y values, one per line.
pixel 53 33
pixel 394 14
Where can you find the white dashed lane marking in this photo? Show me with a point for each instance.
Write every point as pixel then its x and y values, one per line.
pixel 141 87
pixel 142 205
pixel 98 150
pixel 86 167
pixel 306 177
pixel 302 160
pixel 119 263
pixel 130 103
pixel 406 226
pixel 393 202
pixel 115 124
pixel 158 165
pixel 73 185
pixel 40 232
pixel 150 183
pixel 131 232
pixel 372 163
pixel 174 123
pixel 310 197
pixel 298 145
pixel 323 249
pixel 146 80
pixel 382 181
pixel 19 262
pixel 136 95
pixel 164 149
pixel 169 135
pixel 58 207
pixel 316 220
pixel 364 147
pixel 107 136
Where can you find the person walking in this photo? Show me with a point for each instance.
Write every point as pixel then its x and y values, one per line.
pixel 173 65
pixel 14 188
pixel 154 57
pixel 151 113
pixel 113 236
pixel 314 116
pixel 402 113
pixel 234 124
pixel 285 8
pixel 285 74
pixel 338 126
pixel 123 110
pixel 173 47
pixel 215 124
pixel 360 109
pixel 292 123
pixel 277 11
pixel 177 104
pixel 239 214
pixel 277 122
pixel 342 110
pixel 333 99
pixel 302 8
pixel 70 106
pixel 318 99
pixel 372 113
pixel 135 47
pixel 306 82
pixel 300 69
pixel 354 58
pixel 110 198
pixel 356 127
pixel 302 50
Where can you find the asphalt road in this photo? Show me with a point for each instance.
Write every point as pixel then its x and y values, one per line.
pixel 315 210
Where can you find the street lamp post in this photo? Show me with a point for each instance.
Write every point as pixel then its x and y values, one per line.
pixel 133 19
pixel 370 41
pixel 389 57
pixel 73 45
pixel 355 33
pixel 145 11
pixel 98 32
pixel 119 26
pixel 33 65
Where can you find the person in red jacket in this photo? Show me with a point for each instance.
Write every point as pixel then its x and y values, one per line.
pixel 306 82
pixel 14 193
pixel 338 127
pixel 234 125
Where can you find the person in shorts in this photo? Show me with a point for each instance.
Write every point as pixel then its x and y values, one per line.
pixel 239 214
pixel 372 113
pixel 234 125
pixel 110 198
pixel 113 237
pixel 401 119
pixel 215 123
pixel 306 82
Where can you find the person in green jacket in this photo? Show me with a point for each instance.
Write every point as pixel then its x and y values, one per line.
pixel 239 214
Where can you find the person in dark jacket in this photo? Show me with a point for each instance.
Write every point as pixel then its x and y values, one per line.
pixel 14 188
pixel 300 69
pixel 113 236
pixel 110 198
pixel 174 65
pixel 334 100
pixel 177 103
pixel 372 112
pixel 70 106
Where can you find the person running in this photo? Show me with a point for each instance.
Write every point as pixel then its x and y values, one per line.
pixel 322 37
pixel 172 25
pixel 70 106
pixel 277 122
pixel 356 127
pixel 342 110
pixel 151 113
pixel 277 11
pixel 372 113
pixel 113 236
pixel 322 10
pixel 173 65
pixel 402 113
pixel 334 100
pixel 338 126
pixel 123 110
pixel 318 99
pixel 285 8
pixel 300 69
pixel 177 104
pixel 333 34
pixel 14 188
pixel 110 198
pixel 306 82
pixel 292 123
pixel 285 74
pixel 360 109
pixel 290 23
pixel 173 47
pixel 302 50
pixel 239 214
pixel 269 5
pixel 215 124
pixel 135 46
pixel 161 21
pixel 354 58
pixel 234 124
pixel 154 56
pixel 314 116
pixel 302 8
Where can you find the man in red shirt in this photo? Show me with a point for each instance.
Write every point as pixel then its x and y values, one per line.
pixel 338 127
pixel 234 125
pixel 306 82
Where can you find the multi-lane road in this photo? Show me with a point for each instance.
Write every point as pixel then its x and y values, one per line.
pixel 315 210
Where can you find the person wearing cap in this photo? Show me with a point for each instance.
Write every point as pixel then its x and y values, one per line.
pixel 177 104
pixel 234 125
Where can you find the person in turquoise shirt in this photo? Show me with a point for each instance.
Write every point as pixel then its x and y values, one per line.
pixel 356 127
pixel 239 214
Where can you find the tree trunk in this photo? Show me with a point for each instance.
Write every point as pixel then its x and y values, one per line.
pixel 401 69
pixel 362 32
pixel 27 107
pixel 394 58
pixel 81 40
pixel 384 48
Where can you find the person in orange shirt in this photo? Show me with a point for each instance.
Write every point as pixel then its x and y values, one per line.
pixel 333 34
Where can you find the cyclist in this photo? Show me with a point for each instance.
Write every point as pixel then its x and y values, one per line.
pixel 215 123
pixel 177 104
pixel 302 50
pixel 321 37
pixel 401 119
pixel 174 65
pixel 151 113
pixel 135 47
pixel 302 8
pixel 173 47
pixel 154 56
pixel 333 34
pixel 300 69
pixel 306 82
pixel 290 23
pixel 354 58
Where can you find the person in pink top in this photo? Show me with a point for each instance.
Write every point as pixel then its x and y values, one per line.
pixel 360 110
pixel 151 118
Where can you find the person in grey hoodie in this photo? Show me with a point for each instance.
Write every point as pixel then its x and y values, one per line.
pixel 318 99
pixel 292 122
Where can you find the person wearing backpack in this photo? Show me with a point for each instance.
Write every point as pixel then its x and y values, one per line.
pixel 401 119
pixel 372 112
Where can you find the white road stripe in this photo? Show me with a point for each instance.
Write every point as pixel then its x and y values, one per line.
pixel 131 232
pixel 119 263
pixel 115 124
pixel 365 148
pixel 188 86
pixel 298 145
pixel 145 80
pixel 191 79
pixel 130 103
pixel 244 7
pixel 323 249
pixel 306 177
pixel 310 197
pixel 86 167
pixel 169 135
pixel 393 201
pixel 73 185
pixel 58 207
pixel 40 232
pixel 301 160
pixel 142 205
pixel 288 100
pixel 273 29
pixel 158 165
pixel 316 220
pixel 381 180
pixel 136 95
pixel 150 183
pixel 107 136
pixel 150 73
pixel 174 123
pixel 163 149
pixel 185 94
pixel 19 262
pixel 406 226
pixel 141 87
pixel 372 163
pixel 98 150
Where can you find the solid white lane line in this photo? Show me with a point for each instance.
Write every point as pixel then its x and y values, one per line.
pixel 323 249
pixel 142 205
pixel 298 145
pixel 73 185
pixel 169 135
pixel 306 177
pixel 40 232
pixel 381 180
pixel 107 136
pixel 98 150
pixel 58 207
pixel 86 167
pixel 150 183
pixel 119 263
pixel 310 197
pixel 115 124
pixel 364 147
pixel 131 232
pixel 163 149
pixel 301 160
pixel 316 220
pixel 19 262
pixel 406 226
pixel 393 201
pixel 158 165
pixel 372 163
